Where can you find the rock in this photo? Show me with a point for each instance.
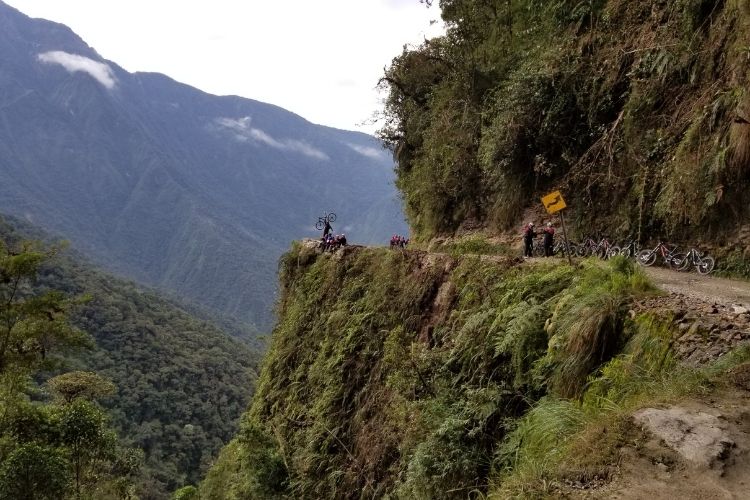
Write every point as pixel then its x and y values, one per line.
pixel 699 437
pixel 695 328
pixel 715 351
pixel 738 309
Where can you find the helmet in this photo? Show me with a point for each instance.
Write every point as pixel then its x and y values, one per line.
pixel 531 224
pixel 549 224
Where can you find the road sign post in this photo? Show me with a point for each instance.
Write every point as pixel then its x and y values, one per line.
pixel 554 203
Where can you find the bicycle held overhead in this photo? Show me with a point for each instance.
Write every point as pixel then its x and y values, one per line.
pixel 324 222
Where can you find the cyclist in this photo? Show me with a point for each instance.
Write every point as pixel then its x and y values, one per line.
pixel 528 239
pixel 549 237
pixel 327 229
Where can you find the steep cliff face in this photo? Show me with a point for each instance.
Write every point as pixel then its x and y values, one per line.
pixel 408 374
pixel 638 110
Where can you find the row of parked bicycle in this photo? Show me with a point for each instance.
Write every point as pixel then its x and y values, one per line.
pixel 670 255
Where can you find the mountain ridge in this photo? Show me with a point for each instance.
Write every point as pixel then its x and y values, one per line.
pixel 166 184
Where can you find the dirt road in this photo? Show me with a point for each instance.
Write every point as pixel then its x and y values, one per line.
pixel 705 288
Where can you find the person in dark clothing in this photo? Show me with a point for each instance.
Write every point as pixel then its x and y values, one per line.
pixel 528 239
pixel 327 230
pixel 549 239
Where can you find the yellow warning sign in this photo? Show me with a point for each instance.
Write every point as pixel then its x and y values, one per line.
pixel 553 202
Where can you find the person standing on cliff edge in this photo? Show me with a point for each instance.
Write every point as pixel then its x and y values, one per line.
pixel 528 239
pixel 549 239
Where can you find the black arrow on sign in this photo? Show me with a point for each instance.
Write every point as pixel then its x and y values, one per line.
pixel 554 202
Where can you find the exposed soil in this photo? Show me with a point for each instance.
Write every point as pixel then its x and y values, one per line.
pixel 712 316
pixel 659 467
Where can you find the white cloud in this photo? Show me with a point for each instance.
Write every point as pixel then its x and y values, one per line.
pixel 367 151
pixel 204 47
pixel 244 132
pixel 73 63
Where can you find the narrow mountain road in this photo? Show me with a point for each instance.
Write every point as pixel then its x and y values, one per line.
pixel 691 285
pixel 706 288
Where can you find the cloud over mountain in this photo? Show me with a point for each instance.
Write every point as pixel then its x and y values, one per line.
pixel 74 63
pixel 243 132
pixel 367 151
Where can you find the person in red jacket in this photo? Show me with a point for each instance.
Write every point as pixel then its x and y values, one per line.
pixel 549 239
pixel 528 239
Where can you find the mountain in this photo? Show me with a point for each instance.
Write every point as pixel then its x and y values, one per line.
pixel 182 383
pixel 174 187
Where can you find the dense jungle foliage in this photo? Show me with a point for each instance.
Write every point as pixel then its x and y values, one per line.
pixel 406 375
pixel 56 443
pixel 638 110
pixel 181 383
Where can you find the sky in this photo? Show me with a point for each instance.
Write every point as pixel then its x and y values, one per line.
pixel 320 59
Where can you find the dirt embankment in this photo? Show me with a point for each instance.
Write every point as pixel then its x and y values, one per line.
pixel 698 449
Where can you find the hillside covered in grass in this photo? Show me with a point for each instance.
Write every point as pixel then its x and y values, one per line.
pixel 181 382
pixel 637 110
pixel 416 375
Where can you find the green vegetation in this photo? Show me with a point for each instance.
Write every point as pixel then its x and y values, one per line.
pixel 575 440
pixel 638 110
pixel 181 383
pixel 405 374
pixel 63 449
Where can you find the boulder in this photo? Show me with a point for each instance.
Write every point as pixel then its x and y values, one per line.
pixel 701 438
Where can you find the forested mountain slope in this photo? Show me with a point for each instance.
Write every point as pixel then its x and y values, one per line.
pixel 171 186
pixel 182 383
pixel 637 110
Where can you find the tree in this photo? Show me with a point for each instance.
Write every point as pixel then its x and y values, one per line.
pixel 34 472
pixel 84 432
pixel 186 493
pixel 86 385
pixel 31 325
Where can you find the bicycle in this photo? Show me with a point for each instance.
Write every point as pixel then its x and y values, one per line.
pixel 704 264
pixel 327 217
pixel 586 248
pixel 559 248
pixel 630 249
pixel 605 249
pixel 538 248
pixel 648 257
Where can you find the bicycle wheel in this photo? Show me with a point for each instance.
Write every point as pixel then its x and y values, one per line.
pixel 613 251
pixel 679 261
pixel 319 225
pixel 625 252
pixel 646 257
pixel 706 265
pixel 538 250
pixel 331 217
